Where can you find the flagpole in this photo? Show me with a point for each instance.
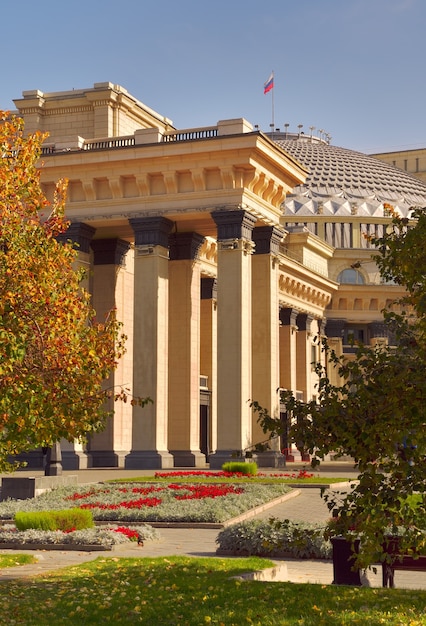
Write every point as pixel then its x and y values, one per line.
pixel 267 87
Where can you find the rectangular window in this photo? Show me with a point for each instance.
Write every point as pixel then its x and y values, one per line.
pixel 353 335
pixel 314 356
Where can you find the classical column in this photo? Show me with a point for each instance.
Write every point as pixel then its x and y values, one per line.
pixel 265 336
pixel 74 454
pixel 234 333
pixel 112 289
pixel 150 345
pixel 288 361
pixel 184 350
pixel 334 331
pixel 288 350
pixel 321 355
pixel 208 365
pixel 81 236
pixel 306 360
pixel 304 355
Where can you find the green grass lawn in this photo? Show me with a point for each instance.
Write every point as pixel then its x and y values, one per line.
pixel 265 480
pixel 9 560
pixel 196 591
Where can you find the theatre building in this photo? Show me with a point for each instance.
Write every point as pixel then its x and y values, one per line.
pixel 226 252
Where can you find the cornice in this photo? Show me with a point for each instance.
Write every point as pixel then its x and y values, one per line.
pixel 304 289
pixel 292 289
pixel 221 164
pixel 78 108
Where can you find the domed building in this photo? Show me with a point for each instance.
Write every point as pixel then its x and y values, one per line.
pixel 225 252
pixel 344 201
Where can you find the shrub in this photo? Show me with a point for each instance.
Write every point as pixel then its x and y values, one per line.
pixel 65 520
pixel 236 467
pixel 275 537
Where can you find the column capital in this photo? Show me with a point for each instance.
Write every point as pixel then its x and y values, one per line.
pixel 288 316
pixel 237 224
pixel 208 288
pixel 80 234
pixel 185 246
pixel 109 251
pixel 322 324
pixel 304 322
pixel 267 239
pixel 151 231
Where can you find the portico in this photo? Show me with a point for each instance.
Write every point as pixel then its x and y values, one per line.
pixel 186 244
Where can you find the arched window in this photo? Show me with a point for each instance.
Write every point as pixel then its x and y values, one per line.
pixel 350 276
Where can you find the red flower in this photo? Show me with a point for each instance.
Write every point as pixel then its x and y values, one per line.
pixel 198 492
pixel 130 504
pixel 131 534
pixel 196 473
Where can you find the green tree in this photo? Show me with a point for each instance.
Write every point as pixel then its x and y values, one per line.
pixel 55 358
pixel 377 414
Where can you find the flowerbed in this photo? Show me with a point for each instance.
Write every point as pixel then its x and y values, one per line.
pixel 274 538
pixel 172 502
pixel 187 492
pixel 300 475
pixel 100 536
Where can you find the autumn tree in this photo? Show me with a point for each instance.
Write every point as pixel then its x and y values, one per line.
pixel 54 356
pixel 377 414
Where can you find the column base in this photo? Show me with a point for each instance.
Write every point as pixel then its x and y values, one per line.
pixel 148 459
pixel 188 458
pixel 218 458
pixel 270 458
pixel 107 458
pixel 72 460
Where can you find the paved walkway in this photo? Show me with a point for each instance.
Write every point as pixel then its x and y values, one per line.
pixel 307 506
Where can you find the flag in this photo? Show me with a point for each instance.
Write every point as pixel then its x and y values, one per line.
pixel 269 84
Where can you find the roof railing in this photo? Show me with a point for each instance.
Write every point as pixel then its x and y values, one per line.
pixel 190 134
pixel 145 136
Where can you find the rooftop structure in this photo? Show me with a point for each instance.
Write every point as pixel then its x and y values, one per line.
pixel 344 182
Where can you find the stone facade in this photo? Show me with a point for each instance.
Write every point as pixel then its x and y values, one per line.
pixel 184 233
pixel 411 161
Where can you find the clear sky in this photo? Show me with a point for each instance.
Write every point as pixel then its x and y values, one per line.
pixel 354 68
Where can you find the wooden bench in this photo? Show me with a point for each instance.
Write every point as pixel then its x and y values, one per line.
pixel 399 561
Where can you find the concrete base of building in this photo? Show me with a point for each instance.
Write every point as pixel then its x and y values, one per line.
pixel 188 458
pixel 35 459
pixel 107 458
pixel 148 459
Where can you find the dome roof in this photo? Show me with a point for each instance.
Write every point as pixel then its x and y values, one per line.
pixel 344 182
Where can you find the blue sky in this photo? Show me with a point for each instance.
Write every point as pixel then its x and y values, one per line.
pixel 354 68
